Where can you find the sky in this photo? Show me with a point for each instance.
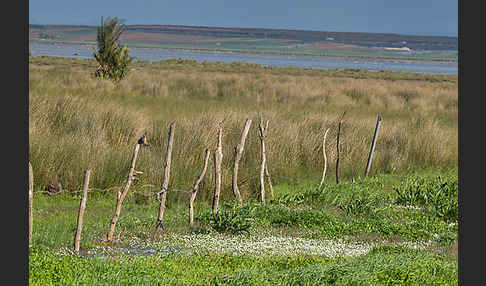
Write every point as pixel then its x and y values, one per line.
pixel 417 17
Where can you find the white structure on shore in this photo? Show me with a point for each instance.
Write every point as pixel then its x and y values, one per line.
pixel 404 49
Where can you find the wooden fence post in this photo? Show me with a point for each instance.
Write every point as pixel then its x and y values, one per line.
pixel 337 147
pixel 31 199
pixel 325 157
pixel 82 206
pixel 195 187
pixel 262 133
pixel 270 186
pixel 165 184
pixel 238 152
pixel 218 157
pixel 375 135
pixel 121 195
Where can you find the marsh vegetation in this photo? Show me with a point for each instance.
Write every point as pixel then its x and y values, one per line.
pixel 77 121
pixel 399 223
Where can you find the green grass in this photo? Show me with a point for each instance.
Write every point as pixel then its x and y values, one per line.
pixel 351 208
pixel 302 211
pixel 382 266
pixel 439 195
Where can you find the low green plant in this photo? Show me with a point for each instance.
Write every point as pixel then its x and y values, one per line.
pixel 281 216
pixel 438 194
pixel 229 217
pixel 358 203
pixel 355 197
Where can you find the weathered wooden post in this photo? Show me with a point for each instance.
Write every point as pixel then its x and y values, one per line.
pixel 325 157
pixel 82 206
pixel 375 135
pixel 270 186
pixel 262 133
pixel 31 199
pixel 165 184
pixel 121 195
pixel 238 152
pixel 218 157
pixel 195 188
pixel 337 147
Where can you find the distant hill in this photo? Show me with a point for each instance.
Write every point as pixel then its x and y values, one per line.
pixel 413 42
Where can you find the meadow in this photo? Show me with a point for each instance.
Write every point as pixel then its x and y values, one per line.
pixel 398 225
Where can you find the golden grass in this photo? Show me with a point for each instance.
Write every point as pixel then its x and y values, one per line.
pixel 77 121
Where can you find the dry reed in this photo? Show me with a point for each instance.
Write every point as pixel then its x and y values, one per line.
pixel 76 121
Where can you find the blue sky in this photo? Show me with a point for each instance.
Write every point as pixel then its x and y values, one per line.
pixel 421 17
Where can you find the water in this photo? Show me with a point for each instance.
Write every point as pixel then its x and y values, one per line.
pixel 315 62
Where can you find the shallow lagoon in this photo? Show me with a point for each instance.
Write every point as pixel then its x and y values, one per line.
pixel 315 62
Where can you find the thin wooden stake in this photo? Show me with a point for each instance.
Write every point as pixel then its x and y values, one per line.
pixel 325 157
pixel 195 188
pixel 375 135
pixel 337 147
pixel 238 152
pixel 121 195
pixel 82 207
pixel 31 200
pixel 218 157
pixel 262 133
pixel 165 184
pixel 269 181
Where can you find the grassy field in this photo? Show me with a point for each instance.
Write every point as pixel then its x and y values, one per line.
pixel 78 122
pixel 397 226
pixel 388 229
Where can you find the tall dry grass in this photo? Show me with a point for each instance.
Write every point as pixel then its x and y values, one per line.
pixel 78 122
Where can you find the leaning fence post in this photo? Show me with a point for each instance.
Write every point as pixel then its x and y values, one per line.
pixel 267 173
pixel 121 195
pixel 325 157
pixel 31 198
pixel 337 147
pixel 218 157
pixel 270 186
pixel 82 206
pixel 195 187
pixel 375 135
pixel 238 151
pixel 165 183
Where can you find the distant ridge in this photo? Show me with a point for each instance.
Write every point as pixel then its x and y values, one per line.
pixel 416 42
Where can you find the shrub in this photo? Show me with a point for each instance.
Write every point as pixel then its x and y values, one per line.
pixel 113 59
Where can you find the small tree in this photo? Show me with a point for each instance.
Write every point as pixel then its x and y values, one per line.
pixel 113 58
